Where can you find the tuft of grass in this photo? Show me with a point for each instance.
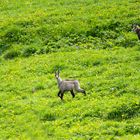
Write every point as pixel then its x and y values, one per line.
pixel 125 111
pixel 28 51
pixel 11 54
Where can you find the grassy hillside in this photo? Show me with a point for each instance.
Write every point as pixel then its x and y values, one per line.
pixel 90 41
pixel 110 109
pixel 40 26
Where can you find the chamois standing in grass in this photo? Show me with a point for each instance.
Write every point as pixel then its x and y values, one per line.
pixel 136 29
pixel 67 85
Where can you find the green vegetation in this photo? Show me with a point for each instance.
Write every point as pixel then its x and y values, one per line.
pixel 88 40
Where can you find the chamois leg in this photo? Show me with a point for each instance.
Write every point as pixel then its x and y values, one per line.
pixel 62 94
pixel 139 36
pixel 59 93
pixel 82 91
pixel 72 93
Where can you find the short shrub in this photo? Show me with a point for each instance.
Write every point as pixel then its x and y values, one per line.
pixel 17 35
pixel 124 112
pixel 12 35
pixel 126 40
pixel 12 54
pixel 102 32
pixel 38 87
pixel 4 46
pixel 97 63
pixel 132 128
pixel 48 117
pixel 45 50
pixel 29 51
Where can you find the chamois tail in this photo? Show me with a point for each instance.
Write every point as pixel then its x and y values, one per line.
pixel 77 88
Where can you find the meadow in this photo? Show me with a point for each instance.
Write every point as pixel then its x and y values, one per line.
pixel 91 41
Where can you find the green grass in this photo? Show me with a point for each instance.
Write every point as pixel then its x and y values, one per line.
pixel 90 41
pixel 110 109
pixel 63 25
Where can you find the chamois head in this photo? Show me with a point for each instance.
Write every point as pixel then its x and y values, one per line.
pixel 57 74
pixel 135 27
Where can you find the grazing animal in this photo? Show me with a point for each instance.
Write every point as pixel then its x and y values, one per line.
pixel 136 29
pixel 67 85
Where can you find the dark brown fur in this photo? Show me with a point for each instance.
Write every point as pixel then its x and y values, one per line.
pixel 137 30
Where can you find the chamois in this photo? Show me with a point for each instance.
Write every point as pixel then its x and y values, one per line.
pixel 136 29
pixel 67 85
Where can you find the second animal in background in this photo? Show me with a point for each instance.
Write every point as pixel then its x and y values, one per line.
pixel 136 29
